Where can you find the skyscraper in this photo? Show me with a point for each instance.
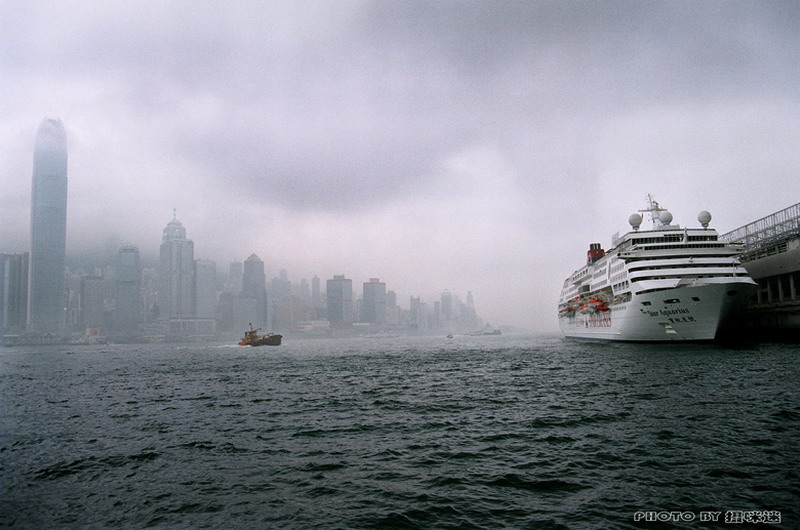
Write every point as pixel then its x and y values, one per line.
pixel 13 292
pixel 254 286
pixel 340 301
pixel 48 229
pixel 177 273
pixel 205 288
pixel 447 306
pixel 129 312
pixel 374 296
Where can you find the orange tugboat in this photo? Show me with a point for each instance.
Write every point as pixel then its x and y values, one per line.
pixel 252 338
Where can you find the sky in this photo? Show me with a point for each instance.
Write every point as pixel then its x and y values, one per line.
pixel 463 145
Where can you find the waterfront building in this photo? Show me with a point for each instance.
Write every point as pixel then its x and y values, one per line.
pixel 234 283
pixel 281 286
pixel 340 301
pixel 129 315
pixel 418 316
pixel 316 294
pixel 48 230
pixel 436 317
pixel 289 312
pixel 13 292
pixel 317 299
pixel 206 288
pixel 92 305
pixel 393 311
pixel 244 312
pixel 771 255
pixel 447 306
pixel 177 275
pixel 374 301
pixel 151 295
pixel 304 292
pixel 254 286
pixel 72 301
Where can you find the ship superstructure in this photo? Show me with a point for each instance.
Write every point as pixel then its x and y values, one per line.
pixel 669 283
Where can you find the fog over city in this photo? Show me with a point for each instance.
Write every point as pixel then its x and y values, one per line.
pixel 464 145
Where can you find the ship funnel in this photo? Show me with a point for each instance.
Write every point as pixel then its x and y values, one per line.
pixel 595 253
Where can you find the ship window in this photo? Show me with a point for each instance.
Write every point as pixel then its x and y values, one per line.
pixel 672 301
pixel 646 303
pixel 696 299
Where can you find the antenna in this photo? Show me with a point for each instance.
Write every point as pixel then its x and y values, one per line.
pixel 657 213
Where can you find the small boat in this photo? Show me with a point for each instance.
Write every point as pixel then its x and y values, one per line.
pixel 252 338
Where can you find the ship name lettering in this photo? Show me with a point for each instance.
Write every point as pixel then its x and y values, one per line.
pixel 669 312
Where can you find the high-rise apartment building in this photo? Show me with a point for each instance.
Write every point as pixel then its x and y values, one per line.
pixel 339 292
pixel 374 302
pixel 177 276
pixel 48 229
pixel 129 315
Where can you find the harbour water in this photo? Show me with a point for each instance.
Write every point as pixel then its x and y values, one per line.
pixel 511 431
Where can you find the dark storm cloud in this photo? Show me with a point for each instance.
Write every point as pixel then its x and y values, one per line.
pixel 365 111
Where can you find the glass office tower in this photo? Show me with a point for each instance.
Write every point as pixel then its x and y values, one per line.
pixel 48 229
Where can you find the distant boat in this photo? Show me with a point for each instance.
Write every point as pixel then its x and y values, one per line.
pixel 252 338
pixel 484 333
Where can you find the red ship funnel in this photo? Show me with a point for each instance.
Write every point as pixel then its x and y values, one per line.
pixel 595 253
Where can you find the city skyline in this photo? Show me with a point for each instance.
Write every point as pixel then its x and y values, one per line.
pixel 471 145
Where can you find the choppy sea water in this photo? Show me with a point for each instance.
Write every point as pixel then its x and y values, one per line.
pixel 492 432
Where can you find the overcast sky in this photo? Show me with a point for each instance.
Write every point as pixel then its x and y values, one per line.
pixel 469 145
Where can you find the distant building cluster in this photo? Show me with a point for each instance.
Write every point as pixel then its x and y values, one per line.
pixel 182 298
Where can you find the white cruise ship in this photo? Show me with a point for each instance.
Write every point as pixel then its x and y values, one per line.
pixel 666 284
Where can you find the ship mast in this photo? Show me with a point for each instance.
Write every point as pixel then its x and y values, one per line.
pixel 654 210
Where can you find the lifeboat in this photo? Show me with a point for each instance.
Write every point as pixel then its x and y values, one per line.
pixel 593 305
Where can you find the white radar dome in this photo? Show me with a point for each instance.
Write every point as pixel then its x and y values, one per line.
pixel 704 217
pixel 635 220
pixel 665 217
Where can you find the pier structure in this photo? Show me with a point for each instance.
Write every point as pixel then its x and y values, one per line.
pixel 771 254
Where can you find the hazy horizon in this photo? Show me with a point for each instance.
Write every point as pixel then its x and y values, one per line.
pixel 471 146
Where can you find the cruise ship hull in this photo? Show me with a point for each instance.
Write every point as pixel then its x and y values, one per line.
pixel 687 313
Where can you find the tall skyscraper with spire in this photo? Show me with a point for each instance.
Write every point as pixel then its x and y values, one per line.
pixel 48 229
